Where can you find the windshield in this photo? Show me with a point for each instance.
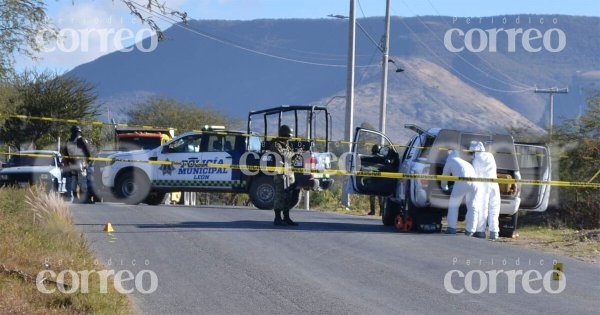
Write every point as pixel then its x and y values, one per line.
pixel 20 160
pixel 138 143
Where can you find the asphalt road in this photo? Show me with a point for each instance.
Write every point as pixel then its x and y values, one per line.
pixel 233 260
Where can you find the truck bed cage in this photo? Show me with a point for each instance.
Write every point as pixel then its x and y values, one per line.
pixel 294 108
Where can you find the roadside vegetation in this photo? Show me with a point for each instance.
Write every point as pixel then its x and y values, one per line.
pixel 580 244
pixel 37 233
pixel 579 160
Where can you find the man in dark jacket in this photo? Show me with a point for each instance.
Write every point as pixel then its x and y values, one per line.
pixel 286 194
pixel 76 153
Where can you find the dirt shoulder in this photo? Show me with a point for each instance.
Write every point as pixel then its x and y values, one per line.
pixel 583 245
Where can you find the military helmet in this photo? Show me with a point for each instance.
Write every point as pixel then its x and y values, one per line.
pixel 75 129
pixel 286 131
pixel 375 149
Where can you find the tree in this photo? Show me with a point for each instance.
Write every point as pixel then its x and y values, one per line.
pixel 159 111
pixel 46 95
pixel 580 160
pixel 8 98
pixel 25 28
pixel 146 15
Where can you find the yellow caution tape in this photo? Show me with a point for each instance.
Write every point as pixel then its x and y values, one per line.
pixel 225 133
pixel 594 177
pixel 391 175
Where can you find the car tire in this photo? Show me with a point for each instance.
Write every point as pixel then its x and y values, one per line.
pixel 262 192
pixel 391 209
pixel 155 198
pixel 508 225
pixel 132 187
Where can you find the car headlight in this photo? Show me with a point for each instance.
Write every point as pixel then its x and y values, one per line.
pixel 3 177
pixel 44 176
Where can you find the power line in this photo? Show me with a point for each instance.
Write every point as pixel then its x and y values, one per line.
pixel 174 22
pixel 519 84
pixel 367 33
pixel 455 70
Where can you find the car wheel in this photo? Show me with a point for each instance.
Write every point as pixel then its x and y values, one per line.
pixel 132 187
pixel 508 225
pixel 391 209
pixel 155 198
pixel 262 192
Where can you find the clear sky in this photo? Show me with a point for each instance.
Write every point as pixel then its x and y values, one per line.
pixel 87 19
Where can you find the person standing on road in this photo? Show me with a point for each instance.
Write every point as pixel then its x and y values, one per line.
pixel 456 166
pixel 76 153
pixel 285 190
pixel 485 167
pixel 376 153
pixel 373 203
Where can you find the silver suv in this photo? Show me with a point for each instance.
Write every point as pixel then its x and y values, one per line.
pixel 420 204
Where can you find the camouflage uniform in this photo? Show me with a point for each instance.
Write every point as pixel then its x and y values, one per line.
pixel 283 181
pixel 76 152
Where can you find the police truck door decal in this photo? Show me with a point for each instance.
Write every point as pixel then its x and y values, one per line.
pixel 184 153
pixel 214 176
pixel 216 153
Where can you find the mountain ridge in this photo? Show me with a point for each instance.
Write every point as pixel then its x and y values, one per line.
pixel 210 73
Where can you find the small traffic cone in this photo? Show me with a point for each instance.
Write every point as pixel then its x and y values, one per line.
pixel 108 228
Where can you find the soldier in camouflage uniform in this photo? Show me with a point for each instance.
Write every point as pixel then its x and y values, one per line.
pixel 76 152
pixel 285 193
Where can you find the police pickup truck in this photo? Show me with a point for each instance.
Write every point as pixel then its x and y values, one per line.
pixel 187 163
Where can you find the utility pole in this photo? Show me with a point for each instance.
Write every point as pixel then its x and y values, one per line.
pixel 350 78
pixel 384 63
pixel 350 92
pixel 309 135
pixel 552 91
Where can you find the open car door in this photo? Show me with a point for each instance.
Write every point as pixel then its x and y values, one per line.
pixel 372 151
pixel 534 164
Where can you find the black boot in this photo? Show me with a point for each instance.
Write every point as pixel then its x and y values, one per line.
pixel 287 220
pixel 278 221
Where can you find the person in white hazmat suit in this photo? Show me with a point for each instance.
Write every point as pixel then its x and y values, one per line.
pixel 485 167
pixel 456 166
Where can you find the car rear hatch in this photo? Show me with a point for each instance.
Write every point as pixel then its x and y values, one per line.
pixel 501 146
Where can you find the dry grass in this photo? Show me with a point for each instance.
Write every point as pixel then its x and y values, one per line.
pixel 580 244
pixel 49 210
pixel 36 228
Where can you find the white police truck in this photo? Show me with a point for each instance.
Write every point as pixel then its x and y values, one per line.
pixel 190 162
